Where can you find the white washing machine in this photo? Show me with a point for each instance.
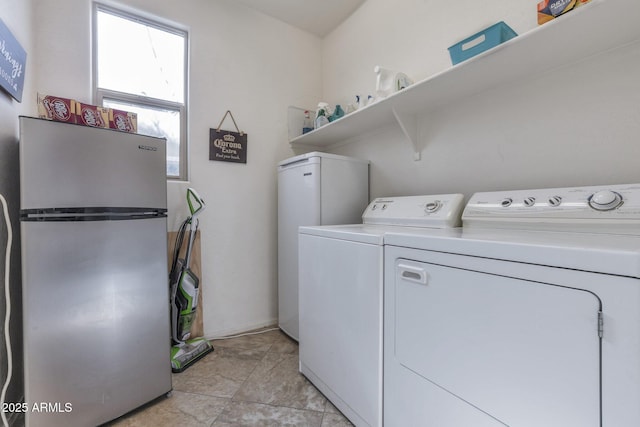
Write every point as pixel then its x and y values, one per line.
pixel 527 316
pixel 340 299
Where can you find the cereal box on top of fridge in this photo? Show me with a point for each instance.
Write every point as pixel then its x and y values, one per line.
pixel 123 120
pixel 56 108
pixel 92 115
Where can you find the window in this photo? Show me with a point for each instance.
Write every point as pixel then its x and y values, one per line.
pixel 141 66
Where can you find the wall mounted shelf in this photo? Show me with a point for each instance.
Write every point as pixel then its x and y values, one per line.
pixel 594 28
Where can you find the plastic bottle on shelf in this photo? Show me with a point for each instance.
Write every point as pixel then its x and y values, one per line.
pixel 337 113
pixel 351 107
pixel 307 124
pixel 321 120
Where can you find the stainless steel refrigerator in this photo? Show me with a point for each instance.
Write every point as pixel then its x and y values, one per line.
pixel 94 272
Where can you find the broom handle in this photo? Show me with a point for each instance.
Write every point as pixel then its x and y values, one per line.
pixel 192 238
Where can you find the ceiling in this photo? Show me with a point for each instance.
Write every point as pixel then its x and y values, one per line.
pixel 318 17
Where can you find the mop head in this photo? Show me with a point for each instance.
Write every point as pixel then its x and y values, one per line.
pixel 188 353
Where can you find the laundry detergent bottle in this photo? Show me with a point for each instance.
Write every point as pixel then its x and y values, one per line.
pixel 322 119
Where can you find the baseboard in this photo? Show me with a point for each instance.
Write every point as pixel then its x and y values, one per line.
pixel 218 334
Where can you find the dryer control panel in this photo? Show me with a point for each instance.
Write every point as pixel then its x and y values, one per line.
pixel 613 209
pixel 434 211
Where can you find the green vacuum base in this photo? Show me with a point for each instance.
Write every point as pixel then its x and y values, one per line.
pixel 185 355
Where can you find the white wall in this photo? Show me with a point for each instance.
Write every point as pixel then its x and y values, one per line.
pixel 241 61
pixel 411 36
pixel 577 125
pixel 16 15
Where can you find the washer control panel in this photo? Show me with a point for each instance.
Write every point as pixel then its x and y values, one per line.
pixel 437 211
pixel 598 209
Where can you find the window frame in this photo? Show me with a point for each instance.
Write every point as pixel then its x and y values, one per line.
pixel 100 93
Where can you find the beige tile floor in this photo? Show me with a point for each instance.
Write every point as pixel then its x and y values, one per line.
pixel 247 381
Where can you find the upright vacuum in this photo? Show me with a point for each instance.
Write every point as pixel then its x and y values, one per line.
pixel 185 287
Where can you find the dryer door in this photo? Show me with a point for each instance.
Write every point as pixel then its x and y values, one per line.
pixel 526 353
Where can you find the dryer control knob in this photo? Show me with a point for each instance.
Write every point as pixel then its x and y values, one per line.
pixel 432 207
pixel 555 201
pixel 505 203
pixel 605 200
pixel 530 201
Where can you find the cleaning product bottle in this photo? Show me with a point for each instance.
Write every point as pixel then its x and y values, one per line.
pixel 321 120
pixel 384 81
pixel 389 82
pixel 307 124
pixel 352 106
pixel 337 113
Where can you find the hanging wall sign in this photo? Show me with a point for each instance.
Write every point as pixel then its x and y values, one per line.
pixel 228 146
pixel 13 59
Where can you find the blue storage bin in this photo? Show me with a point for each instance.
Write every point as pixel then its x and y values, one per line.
pixel 481 41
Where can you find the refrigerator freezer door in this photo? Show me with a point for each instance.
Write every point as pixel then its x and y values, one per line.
pixel 298 204
pixel 96 318
pixel 64 165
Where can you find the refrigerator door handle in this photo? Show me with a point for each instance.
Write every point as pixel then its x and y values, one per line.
pixel 91 214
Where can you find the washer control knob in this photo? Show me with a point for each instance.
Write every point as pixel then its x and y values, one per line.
pixel 432 207
pixel 555 201
pixel 505 203
pixel 530 201
pixel 605 200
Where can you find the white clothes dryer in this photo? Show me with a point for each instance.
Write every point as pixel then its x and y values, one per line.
pixel 340 299
pixel 527 316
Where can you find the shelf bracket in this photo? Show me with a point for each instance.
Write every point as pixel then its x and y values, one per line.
pixel 409 125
